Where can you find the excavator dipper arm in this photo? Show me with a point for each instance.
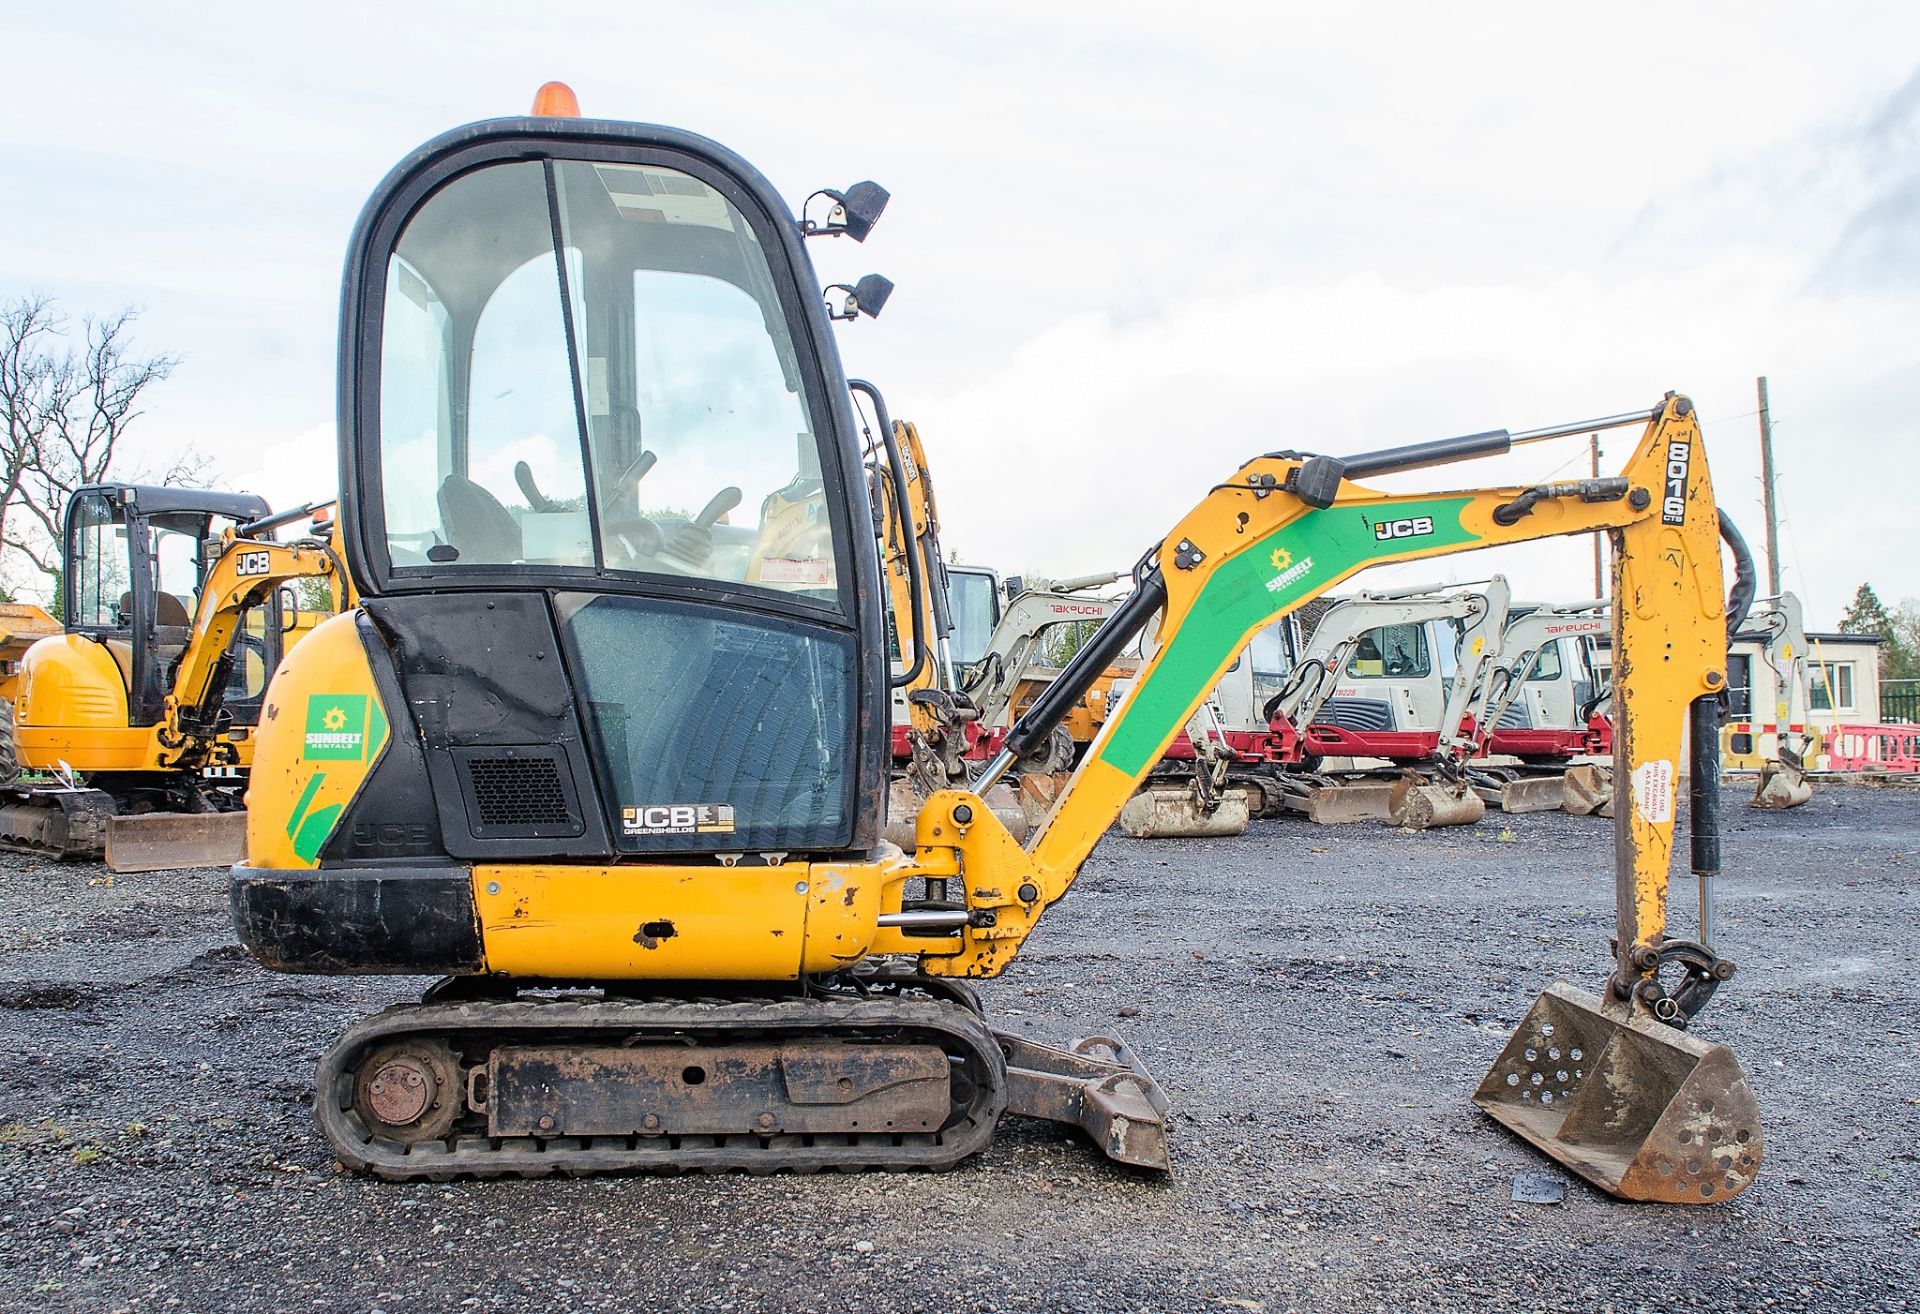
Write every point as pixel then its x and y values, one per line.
pixel 1283 532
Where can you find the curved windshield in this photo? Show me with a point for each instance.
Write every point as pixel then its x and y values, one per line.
pixel 586 367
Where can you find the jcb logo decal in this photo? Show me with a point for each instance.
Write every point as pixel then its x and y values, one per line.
pixel 1386 530
pixel 1673 508
pixel 254 563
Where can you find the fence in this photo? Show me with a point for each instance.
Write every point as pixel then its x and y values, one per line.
pixel 1900 701
pixel 1874 748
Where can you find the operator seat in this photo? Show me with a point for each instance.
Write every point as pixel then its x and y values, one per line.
pixel 477 524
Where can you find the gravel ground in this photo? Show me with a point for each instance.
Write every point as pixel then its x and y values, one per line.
pixel 1319 1003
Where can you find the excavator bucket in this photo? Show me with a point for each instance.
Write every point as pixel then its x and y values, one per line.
pixel 1782 785
pixel 1641 1110
pixel 1587 791
pixel 162 841
pixel 1416 804
pixel 1172 812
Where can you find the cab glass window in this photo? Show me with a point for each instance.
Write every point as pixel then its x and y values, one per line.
pixel 1547 665
pixel 586 367
pixel 175 553
pixel 1393 652
pixel 100 590
pixel 975 599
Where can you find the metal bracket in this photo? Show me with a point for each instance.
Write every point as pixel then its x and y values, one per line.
pixel 1186 556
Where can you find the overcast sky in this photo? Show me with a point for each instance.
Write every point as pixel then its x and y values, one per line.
pixel 1134 244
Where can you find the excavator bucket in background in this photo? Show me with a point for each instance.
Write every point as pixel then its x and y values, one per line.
pixel 1587 790
pixel 1175 812
pixel 1783 784
pixel 1638 1108
pixel 163 841
pixel 1414 803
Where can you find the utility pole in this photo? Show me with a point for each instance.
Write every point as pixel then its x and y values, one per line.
pixel 1766 483
pixel 1599 584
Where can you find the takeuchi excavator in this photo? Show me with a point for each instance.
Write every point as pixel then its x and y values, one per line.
pixel 1537 712
pixel 1783 649
pixel 617 779
pixel 1367 686
pixel 139 713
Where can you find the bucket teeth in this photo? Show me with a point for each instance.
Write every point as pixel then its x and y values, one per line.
pixel 1639 1109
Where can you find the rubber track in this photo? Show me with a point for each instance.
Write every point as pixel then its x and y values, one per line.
pixel 470 1026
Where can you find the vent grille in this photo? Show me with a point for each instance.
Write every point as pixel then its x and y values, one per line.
pixel 523 792
pixel 1361 714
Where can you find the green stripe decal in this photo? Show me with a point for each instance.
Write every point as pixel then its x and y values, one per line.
pixel 1276 574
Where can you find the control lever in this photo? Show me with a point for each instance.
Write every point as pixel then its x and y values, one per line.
pixel 692 543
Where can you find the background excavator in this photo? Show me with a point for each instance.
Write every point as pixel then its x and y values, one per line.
pixel 1538 708
pixel 1368 685
pixel 138 714
pixel 1783 648
pixel 626 800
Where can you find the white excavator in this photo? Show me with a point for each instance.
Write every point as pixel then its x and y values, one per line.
pixel 1541 716
pixel 1783 775
pixel 1366 726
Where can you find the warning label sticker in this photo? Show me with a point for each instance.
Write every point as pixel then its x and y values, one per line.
pixel 815 571
pixel 1653 791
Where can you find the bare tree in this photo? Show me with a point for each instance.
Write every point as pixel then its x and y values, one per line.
pixel 67 407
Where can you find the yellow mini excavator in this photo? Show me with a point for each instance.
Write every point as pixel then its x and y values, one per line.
pixel 139 713
pixel 617 773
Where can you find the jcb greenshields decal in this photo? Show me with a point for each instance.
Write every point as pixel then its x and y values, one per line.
pixel 1269 577
pixel 343 728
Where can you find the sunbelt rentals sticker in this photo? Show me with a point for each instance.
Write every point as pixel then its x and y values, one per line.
pixel 336 727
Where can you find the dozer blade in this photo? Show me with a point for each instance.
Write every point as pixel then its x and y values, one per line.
pixel 1173 813
pixel 1588 790
pixel 1361 800
pixel 1418 805
pixel 1533 794
pixel 161 841
pixel 1641 1110
pixel 1098 1086
pixel 1782 785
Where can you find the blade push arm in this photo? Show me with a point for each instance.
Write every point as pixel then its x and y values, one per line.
pixel 1276 536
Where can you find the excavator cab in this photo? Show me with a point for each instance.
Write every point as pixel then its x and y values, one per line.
pixel 134 561
pixel 602 471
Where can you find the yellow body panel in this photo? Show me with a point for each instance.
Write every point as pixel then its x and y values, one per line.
pixel 303 780
pixel 69 681
pixel 748 922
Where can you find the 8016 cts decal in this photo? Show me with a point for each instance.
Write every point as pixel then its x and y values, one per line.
pixel 1673 507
